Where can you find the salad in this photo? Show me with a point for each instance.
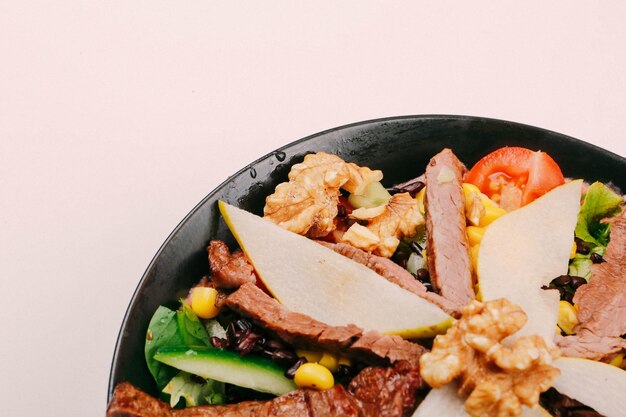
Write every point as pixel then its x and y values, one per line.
pixel 490 291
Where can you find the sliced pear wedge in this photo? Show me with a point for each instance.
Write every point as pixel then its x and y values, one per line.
pixel 445 401
pixel 598 385
pixel 308 278
pixel 527 248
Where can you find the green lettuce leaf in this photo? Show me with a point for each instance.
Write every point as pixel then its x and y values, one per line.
pixel 215 329
pixel 580 266
pixel 600 202
pixel 194 390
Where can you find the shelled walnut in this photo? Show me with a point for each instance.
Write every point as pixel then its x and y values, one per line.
pixel 496 379
pixel 399 218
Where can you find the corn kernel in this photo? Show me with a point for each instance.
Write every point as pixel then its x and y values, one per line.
pixel 420 200
pixel 567 317
pixel 572 253
pixel 313 375
pixel 474 256
pixel 329 361
pixel 470 188
pixel 310 355
pixel 618 360
pixel 203 302
pixel 475 234
pixel 492 212
pixel 344 360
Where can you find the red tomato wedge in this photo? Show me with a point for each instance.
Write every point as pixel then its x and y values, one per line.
pixel 514 176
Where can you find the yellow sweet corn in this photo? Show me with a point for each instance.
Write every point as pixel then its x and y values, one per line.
pixel 329 361
pixel 568 319
pixel 475 234
pixel 203 302
pixel 314 375
pixel 310 355
pixel 420 200
pixel 572 253
pixel 492 212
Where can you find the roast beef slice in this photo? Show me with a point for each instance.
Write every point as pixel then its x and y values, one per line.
pixel 305 332
pixel 602 302
pixel 448 249
pixel 229 271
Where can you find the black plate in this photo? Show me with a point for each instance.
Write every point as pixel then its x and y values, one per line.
pixel 400 146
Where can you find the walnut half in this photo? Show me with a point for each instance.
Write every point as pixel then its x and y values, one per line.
pixel 496 379
pixel 399 218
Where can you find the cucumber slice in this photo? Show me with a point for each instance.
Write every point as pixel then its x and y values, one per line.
pixel 252 372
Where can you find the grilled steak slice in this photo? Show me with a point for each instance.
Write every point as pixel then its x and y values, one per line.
pixel 586 344
pixel 303 331
pixel 229 271
pixel 372 346
pixel 387 392
pixel 392 272
pixel 374 392
pixel 448 249
pixel 602 303
pixel 129 401
pixel 294 328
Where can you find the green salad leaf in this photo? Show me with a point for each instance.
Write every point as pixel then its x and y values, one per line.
pixel 172 328
pixel 600 202
pixel 191 329
pixel 195 390
pixel 162 331
pixel 580 266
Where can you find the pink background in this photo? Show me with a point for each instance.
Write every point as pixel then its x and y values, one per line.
pixel 117 117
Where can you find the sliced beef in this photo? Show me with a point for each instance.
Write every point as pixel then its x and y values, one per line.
pixel 294 328
pixel 387 392
pixel 602 303
pixel 448 249
pixel 229 271
pixel 372 346
pixel 303 331
pixel 129 401
pixel 392 272
pixel 374 392
pixel 586 344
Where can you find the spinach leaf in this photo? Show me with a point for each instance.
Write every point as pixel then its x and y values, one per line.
pixel 162 331
pixel 172 328
pixel 192 332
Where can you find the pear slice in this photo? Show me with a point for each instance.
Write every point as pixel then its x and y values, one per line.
pixel 446 402
pixel 598 385
pixel 527 248
pixel 308 278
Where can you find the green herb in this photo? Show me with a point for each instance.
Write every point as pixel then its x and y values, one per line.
pixel 600 202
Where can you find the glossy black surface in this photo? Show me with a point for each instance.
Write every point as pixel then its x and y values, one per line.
pixel 401 147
